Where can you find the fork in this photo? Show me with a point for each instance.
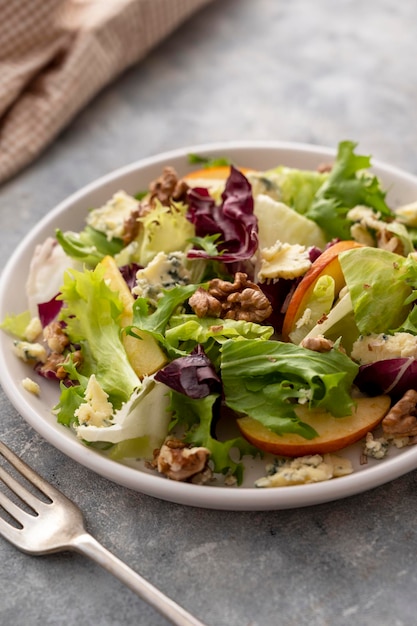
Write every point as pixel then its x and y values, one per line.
pixel 56 524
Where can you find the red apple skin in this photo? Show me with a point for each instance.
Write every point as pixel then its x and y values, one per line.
pixel 327 264
pixel 334 433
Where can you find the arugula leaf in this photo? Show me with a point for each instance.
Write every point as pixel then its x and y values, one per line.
pixel 348 185
pixel 208 243
pixel 263 379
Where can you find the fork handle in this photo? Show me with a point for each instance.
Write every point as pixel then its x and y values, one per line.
pixel 86 544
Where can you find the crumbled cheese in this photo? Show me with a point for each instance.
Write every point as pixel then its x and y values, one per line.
pixel 96 410
pixel 305 319
pixel 306 469
pixel 375 448
pixel 29 351
pixel 365 215
pixel 265 184
pixel 305 395
pixel 401 442
pixel 111 217
pixel 165 271
pixel 378 347
pixel 370 230
pixel 366 221
pixel 33 329
pixel 407 214
pixel 31 386
pixel 361 234
pixel 283 260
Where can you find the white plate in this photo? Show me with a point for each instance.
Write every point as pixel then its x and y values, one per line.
pixel 70 215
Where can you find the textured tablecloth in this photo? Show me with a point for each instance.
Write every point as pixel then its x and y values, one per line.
pixel 55 55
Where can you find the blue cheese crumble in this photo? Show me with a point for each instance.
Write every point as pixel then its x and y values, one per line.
pixel 283 260
pixel 96 410
pixel 304 470
pixel 31 386
pixel 28 351
pixel 110 218
pixel 165 271
pixel 376 448
pixel 378 347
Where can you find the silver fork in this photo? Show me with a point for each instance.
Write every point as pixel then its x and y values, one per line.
pixel 58 524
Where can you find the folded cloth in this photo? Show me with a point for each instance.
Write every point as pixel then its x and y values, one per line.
pixel 55 55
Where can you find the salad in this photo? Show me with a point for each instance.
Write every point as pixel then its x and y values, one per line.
pixel 232 313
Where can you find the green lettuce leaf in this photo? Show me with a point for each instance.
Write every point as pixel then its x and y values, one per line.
pixel 409 325
pixel 379 288
pixel 297 188
pixel 156 322
pixel 207 162
pixel 186 331
pixel 349 184
pixel 263 379
pixel 91 312
pixel 89 246
pixel 70 397
pixel 197 416
pixel 16 325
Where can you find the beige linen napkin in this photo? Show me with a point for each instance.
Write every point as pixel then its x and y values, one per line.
pixel 55 55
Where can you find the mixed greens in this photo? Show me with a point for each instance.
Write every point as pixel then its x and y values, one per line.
pixel 172 312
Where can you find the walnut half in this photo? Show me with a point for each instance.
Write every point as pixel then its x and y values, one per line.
pixel 180 462
pixel 240 300
pixel 401 420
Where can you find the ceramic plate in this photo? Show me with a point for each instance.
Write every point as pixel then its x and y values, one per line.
pixel 70 215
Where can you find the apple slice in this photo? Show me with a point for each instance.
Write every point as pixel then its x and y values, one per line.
pixel 334 433
pixel 144 354
pixel 326 264
pixel 220 172
pixel 212 178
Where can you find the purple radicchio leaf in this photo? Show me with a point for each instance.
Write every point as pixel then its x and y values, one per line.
pixel 49 310
pixel 192 375
pixel 129 273
pixel 391 376
pixel 313 253
pixel 233 219
pixel 46 372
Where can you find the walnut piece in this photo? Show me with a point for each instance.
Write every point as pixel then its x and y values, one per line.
pixel 323 168
pixel 168 188
pixel 388 241
pixel 318 344
pixel 180 462
pixel 401 420
pixel 240 300
pixel 55 337
pixel 55 363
